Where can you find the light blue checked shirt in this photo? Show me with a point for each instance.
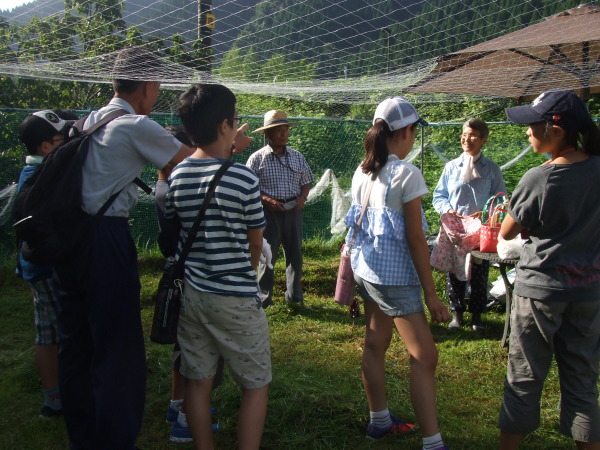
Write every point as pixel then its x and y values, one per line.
pixel 380 254
pixel 467 198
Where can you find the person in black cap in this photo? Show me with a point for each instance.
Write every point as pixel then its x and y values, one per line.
pixel 41 131
pixel 556 308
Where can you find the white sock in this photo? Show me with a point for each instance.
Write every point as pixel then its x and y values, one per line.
pixel 182 419
pixel 433 442
pixel 52 398
pixel 381 418
pixel 176 404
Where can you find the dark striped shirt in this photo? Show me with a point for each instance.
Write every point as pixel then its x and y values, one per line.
pixel 219 260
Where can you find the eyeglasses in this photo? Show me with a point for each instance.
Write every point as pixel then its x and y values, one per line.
pixel 469 137
pixel 237 119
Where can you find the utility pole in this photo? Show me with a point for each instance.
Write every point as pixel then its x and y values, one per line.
pixel 206 23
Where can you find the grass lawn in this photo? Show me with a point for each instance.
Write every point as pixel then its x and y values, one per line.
pixel 316 398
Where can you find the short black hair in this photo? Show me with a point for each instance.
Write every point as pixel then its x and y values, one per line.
pixel 202 108
pixel 133 67
pixel 179 132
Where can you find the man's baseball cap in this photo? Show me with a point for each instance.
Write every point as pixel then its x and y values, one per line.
pixel 557 106
pixel 397 112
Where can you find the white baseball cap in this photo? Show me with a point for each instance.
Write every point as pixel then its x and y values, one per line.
pixel 397 112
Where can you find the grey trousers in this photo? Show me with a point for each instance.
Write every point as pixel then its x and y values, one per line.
pixel 569 331
pixel 283 228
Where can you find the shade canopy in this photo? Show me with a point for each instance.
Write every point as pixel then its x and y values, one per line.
pixel 562 51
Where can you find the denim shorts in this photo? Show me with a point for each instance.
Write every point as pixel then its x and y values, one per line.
pixel 393 300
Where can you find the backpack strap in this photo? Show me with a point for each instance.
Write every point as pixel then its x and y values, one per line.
pixel 108 118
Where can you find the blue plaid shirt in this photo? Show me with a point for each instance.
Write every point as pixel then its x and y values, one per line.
pixel 280 177
pixel 380 254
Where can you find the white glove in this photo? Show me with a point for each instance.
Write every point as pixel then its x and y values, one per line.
pixel 266 255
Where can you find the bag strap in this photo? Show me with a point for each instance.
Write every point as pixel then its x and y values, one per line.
pixel 187 246
pixel 108 118
pixel 362 211
pixel 488 209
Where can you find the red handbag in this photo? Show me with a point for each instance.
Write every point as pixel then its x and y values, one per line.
pixel 494 212
pixel 488 238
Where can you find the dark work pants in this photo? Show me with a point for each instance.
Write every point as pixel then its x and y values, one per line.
pixel 479 294
pixel 283 228
pixel 102 361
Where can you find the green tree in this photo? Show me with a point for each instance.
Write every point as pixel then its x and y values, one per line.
pixel 98 23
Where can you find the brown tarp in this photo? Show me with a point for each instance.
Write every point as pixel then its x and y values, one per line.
pixel 562 51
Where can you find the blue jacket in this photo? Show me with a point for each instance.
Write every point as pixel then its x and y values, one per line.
pixel 28 271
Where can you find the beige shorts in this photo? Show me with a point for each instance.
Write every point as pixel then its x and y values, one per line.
pixel 213 325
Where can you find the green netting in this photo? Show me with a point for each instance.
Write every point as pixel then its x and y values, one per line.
pixel 333 144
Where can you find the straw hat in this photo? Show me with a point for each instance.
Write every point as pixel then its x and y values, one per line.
pixel 274 118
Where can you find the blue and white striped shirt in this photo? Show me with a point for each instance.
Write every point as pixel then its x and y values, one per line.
pixel 219 260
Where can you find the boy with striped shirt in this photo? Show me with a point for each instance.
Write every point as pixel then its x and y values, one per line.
pixel 221 313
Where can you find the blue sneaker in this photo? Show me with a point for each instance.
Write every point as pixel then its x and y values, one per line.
pixel 443 447
pixel 172 413
pixel 179 433
pixel 376 432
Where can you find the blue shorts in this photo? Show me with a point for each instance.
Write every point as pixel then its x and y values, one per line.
pixel 44 316
pixel 393 300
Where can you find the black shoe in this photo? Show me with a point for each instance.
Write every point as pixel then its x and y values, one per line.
pixel 266 303
pixel 49 412
pixel 456 320
pixel 476 322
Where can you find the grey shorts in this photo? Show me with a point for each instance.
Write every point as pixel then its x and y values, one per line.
pixel 569 332
pixel 212 325
pixel 394 301
pixel 44 316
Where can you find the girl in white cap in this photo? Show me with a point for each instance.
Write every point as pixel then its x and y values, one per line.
pixel 390 260
pixel 556 307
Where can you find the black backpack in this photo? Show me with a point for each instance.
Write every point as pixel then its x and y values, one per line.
pixel 48 219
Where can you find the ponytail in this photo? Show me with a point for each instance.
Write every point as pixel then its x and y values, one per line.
pixel 376 149
pixel 590 139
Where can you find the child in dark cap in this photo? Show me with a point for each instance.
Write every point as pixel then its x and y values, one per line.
pixel 41 132
pixel 556 307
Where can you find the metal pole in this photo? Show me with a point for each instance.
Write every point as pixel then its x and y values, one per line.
pixel 387 62
pixel 422 149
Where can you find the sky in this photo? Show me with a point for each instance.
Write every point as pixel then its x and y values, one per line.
pixel 10 4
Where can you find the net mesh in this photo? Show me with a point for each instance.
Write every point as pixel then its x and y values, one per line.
pixel 344 55
pixel 342 51
pixel 333 148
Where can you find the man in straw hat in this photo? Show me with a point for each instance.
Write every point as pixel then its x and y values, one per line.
pixel 284 182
